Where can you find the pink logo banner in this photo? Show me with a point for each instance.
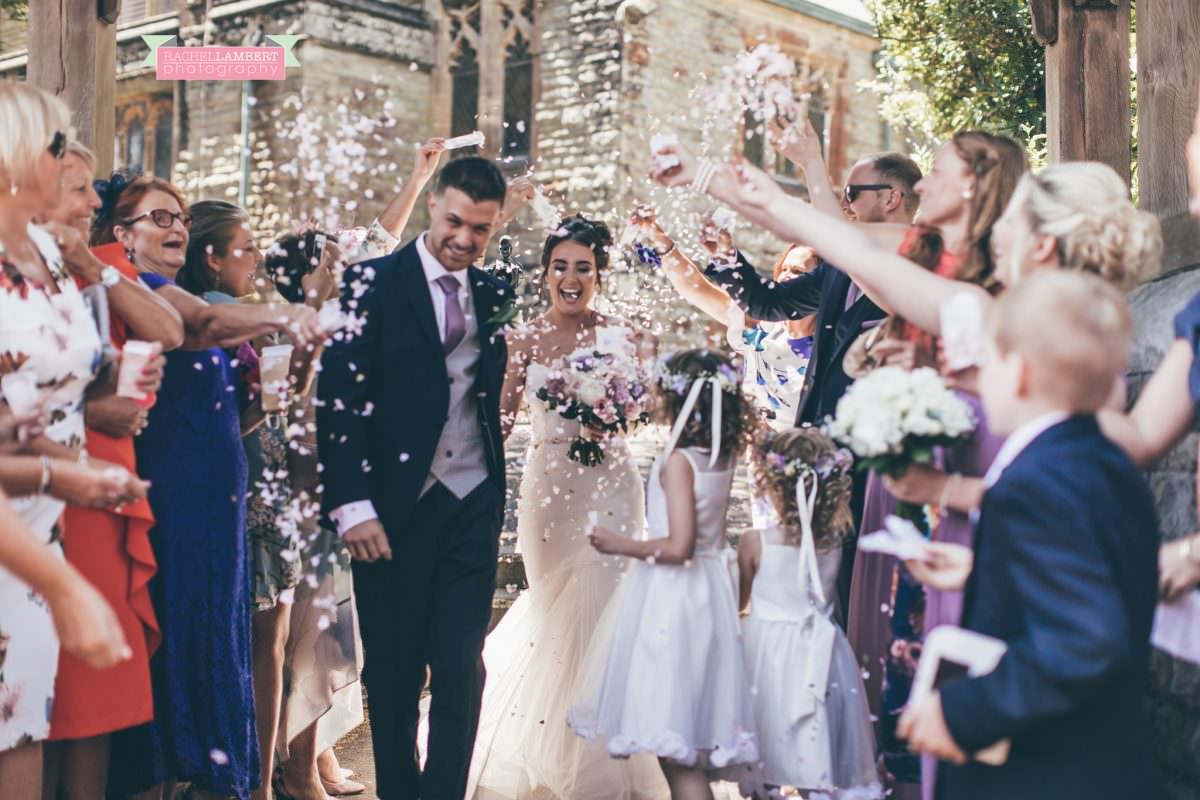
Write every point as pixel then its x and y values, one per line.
pixel 221 64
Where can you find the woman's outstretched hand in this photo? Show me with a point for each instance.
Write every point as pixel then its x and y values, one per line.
pixel 86 625
pixel 682 168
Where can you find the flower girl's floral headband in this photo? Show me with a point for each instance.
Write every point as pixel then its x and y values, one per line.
pixel 680 383
pixel 839 462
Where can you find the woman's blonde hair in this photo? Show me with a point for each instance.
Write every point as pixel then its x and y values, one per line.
pixel 778 464
pixel 83 153
pixel 29 118
pixel 1085 206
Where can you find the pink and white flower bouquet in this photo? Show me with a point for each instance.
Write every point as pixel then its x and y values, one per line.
pixel 603 390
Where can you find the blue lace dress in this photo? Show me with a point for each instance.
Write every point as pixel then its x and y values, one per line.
pixel 191 452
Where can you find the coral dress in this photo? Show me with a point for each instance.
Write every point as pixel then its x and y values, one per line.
pixel 112 550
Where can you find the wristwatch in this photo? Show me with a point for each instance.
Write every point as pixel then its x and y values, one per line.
pixel 110 276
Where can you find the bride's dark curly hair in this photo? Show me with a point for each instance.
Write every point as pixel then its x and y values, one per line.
pixel 739 421
pixel 591 233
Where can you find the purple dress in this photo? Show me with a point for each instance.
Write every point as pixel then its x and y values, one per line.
pixel 972 459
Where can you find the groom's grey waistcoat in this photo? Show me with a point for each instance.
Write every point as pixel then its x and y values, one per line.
pixel 459 462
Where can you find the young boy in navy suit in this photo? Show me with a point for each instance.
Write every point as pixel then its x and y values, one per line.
pixel 1065 567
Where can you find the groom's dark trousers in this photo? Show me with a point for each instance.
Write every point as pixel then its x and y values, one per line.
pixel 429 605
pixel 396 415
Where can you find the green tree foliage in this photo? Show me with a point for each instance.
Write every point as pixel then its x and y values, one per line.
pixel 948 65
pixel 15 9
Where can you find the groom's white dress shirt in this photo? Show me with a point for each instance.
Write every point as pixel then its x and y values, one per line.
pixel 459 461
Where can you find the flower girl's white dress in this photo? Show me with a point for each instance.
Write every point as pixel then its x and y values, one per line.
pixel 664 674
pixel 814 726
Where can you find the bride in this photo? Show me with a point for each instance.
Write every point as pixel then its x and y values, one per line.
pixel 524 748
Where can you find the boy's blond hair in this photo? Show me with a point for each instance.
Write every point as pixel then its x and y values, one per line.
pixel 1073 329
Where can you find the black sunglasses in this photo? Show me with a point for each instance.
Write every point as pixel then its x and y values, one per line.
pixel 58 145
pixel 162 218
pixel 853 190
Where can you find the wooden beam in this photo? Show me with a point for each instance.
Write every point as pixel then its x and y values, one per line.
pixel 73 54
pixel 1045 21
pixel 1087 84
pixel 1168 44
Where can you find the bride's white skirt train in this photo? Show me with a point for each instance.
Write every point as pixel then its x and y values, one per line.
pixel 524 748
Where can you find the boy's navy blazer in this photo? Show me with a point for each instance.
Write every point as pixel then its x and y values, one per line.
pixel 1066 572
pixel 385 394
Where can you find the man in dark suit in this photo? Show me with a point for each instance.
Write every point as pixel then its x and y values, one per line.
pixel 413 470
pixel 879 188
pixel 1065 568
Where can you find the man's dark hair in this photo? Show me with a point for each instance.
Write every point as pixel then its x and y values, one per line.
pixel 903 173
pixel 477 178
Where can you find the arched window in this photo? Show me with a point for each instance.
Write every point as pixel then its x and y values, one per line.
pixel 502 109
pixel 464 69
pixel 518 79
pixel 135 146
pixel 164 158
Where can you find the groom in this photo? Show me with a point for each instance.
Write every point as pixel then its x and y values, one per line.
pixel 413 467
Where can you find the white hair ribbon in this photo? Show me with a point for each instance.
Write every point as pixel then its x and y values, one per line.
pixel 685 413
pixel 806 505
pixel 814 672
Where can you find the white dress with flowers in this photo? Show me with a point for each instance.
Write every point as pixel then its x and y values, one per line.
pixel 53 336
pixel 523 748
pixel 664 675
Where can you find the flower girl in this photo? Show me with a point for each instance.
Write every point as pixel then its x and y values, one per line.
pixel 664 673
pixel 814 728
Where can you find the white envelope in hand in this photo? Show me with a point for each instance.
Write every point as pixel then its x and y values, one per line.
pixel 899 538
pixel 1177 628
pixel 949 647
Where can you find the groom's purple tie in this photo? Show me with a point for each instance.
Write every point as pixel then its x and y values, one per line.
pixel 456 323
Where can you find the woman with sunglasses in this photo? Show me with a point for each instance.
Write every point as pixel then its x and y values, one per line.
pixel 192 453
pixel 50 346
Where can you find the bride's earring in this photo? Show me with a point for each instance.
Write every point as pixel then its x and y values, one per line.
pixel 968 194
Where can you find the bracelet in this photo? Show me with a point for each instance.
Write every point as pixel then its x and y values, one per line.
pixel 951 483
pixel 666 252
pixel 47 475
pixel 704 176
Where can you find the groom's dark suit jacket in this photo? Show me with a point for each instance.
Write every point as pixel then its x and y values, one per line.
pixel 385 393
pixel 1066 572
pixel 821 292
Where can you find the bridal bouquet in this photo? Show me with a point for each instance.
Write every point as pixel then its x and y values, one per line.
pixel 605 390
pixel 893 418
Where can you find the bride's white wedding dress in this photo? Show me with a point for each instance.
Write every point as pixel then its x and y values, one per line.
pixel 524 748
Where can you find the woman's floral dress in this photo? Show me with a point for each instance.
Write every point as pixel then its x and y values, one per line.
pixel 53 336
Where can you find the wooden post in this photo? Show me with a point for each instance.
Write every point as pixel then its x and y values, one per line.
pixel 73 54
pixel 1087 79
pixel 1168 44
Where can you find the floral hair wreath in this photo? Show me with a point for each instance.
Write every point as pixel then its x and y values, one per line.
pixel 839 462
pixel 679 383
